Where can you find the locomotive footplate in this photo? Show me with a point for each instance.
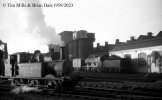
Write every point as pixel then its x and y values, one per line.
pixel 52 83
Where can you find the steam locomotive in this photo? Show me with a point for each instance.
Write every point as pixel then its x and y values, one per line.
pixel 50 70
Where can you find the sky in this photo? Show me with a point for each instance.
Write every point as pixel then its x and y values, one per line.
pixel 28 29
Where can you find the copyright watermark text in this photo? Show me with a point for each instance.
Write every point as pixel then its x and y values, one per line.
pixel 37 4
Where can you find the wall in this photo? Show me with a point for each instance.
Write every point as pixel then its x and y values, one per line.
pixel 135 59
pixel 71 49
pixel 85 47
pixel 77 63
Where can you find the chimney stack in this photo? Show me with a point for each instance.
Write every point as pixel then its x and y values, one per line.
pixel 5 51
pixel 106 44
pixel 149 34
pixel 98 44
pixel 132 38
pixel 117 41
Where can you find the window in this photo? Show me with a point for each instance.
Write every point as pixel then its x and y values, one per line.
pixel 142 59
pixel 159 62
pixel 156 58
pixel 149 60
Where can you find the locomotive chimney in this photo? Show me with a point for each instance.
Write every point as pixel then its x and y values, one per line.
pixel 62 53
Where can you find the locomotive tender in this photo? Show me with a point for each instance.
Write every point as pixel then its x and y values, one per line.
pixel 104 63
pixel 33 70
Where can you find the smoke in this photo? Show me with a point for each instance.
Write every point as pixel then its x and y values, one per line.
pixel 25 29
pixel 25 89
pixel 37 23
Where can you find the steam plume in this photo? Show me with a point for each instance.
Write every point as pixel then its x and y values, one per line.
pixel 25 29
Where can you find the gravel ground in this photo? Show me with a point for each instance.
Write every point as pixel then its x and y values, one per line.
pixel 26 96
pixel 32 96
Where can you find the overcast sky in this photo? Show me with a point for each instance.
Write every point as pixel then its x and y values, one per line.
pixel 108 19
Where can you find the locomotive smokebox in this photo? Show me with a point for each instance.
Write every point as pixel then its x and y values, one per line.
pixel 58 68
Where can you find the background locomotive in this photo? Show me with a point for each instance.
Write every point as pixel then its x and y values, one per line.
pixel 108 64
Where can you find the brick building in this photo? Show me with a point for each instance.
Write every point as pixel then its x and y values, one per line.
pixel 145 52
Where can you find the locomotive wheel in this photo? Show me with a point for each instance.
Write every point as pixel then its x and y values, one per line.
pixel 52 84
pixel 33 82
pixel 16 82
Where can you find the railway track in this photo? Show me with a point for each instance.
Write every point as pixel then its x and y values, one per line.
pixel 98 94
pixel 105 94
pixel 138 86
pixel 114 94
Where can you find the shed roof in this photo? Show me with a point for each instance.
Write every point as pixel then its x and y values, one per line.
pixel 141 42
